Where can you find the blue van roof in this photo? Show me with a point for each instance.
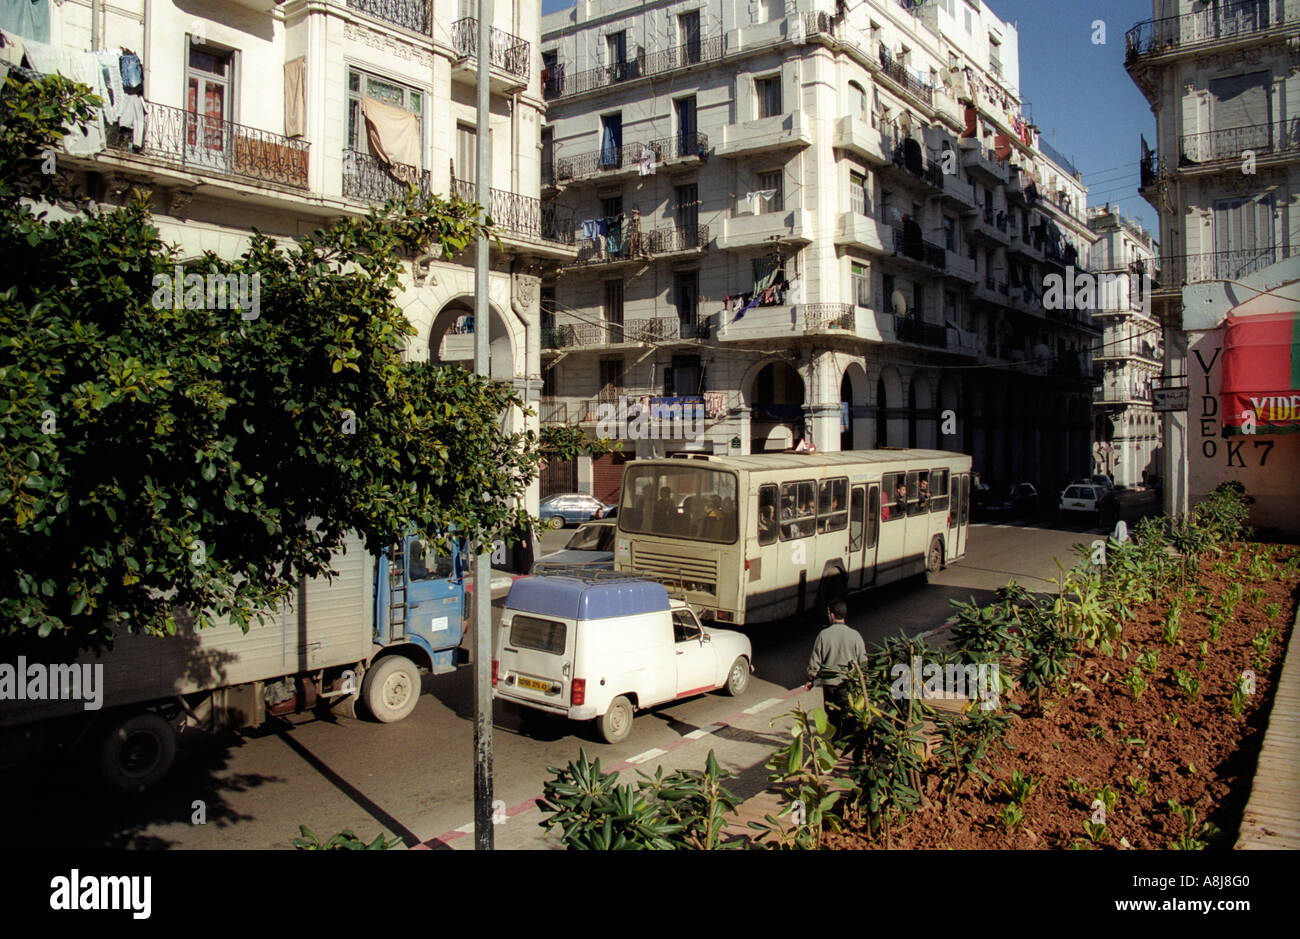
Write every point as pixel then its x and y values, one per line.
pixel 574 598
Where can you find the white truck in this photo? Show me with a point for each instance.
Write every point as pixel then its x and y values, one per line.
pixel 590 647
pixel 368 633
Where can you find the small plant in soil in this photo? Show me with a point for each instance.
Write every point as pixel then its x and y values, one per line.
pixel 1011 816
pixel 1216 627
pixel 1019 787
pixel 1096 831
pixel 1255 596
pixel 1136 683
pixel 1076 785
pixel 1173 629
pixel 1108 798
pixel 1194 837
pixel 1272 610
pixel 1239 698
pixel 1260 643
pixel 1149 661
pixel 1097 732
pixel 1137 785
pixel 811 795
pixel 1187 683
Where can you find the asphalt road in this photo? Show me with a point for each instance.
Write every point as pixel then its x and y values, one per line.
pixel 414 779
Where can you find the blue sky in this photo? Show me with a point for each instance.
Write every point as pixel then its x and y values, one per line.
pixel 1080 95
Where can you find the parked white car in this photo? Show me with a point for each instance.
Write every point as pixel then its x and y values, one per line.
pixel 601 649
pixel 1079 497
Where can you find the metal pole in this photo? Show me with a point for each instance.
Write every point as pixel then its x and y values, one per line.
pixel 482 558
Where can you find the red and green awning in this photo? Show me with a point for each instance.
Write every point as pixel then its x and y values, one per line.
pixel 1261 373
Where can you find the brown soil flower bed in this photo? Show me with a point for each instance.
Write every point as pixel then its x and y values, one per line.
pixel 1095 733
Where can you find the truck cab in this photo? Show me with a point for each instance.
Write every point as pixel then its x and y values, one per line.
pixel 599 649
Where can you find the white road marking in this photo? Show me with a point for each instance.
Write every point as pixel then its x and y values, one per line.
pixel 704 731
pixel 466 829
pixel 762 706
pixel 648 755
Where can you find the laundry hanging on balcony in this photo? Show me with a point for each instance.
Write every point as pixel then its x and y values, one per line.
pixel 715 404
pixel 760 196
pixel 80 67
pixel 614 238
pixel 593 227
pixel 1261 374
pixel 110 69
pixel 394 137
pixel 295 97
pixel 647 162
pixel 28 18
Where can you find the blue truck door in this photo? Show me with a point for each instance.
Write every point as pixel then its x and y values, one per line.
pixel 435 599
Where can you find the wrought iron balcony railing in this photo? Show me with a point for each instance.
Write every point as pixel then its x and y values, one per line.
pixel 667 329
pixel 914 162
pixel 904 79
pixel 1231 142
pixel 676 238
pixel 1177 271
pixel 523 215
pixel 913 329
pixel 823 317
pixel 919 250
pixel 698 52
pixel 416 15
pixel 204 145
pixel 371 180
pixel 506 52
pixel 628 156
pixel 1214 24
pixel 628 246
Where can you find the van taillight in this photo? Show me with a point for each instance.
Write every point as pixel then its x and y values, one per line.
pixel 495 668
pixel 578 695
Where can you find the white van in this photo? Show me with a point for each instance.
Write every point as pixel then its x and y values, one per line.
pixel 599 649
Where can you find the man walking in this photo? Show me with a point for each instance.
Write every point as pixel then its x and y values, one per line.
pixel 835 649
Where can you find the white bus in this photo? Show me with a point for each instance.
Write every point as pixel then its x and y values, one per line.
pixel 752 539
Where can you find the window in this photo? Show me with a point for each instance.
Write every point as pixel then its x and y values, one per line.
pixel 209 75
pixel 949 233
pixel 873 516
pixel 686 293
pixel 939 490
pixel 688 213
pixel 687 144
pixel 861 275
pixel 466 153
pixel 611 140
pixel 616 46
pixel 970 27
pixel 918 492
pixel 798 510
pixel 768 91
pixel 858 101
pixel 685 627
pixel 894 497
pixel 683 377
pixel 676 501
pixel 362 85
pixel 858 193
pixel 832 505
pixel 767 520
pixel 614 302
pixel 1239 101
pixel 918 301
pixel 421 554
pixel 611 379
pixel 995 57
pixel 688 32
pixel 887 282
pixel 772 182
pixel 539 635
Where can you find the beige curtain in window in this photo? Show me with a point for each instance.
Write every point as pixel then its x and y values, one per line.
pixel 394 137
pixel 295 97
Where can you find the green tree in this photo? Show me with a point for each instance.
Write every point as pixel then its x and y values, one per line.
pixel 159 462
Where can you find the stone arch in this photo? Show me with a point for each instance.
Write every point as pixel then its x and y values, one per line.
pixel 775 393
pixel 890 409
pixel 855 391
pixel 447 342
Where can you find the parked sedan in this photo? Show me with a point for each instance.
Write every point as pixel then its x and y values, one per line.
pixel 571 508
pixel 591 548
pixel 1082 498
pixel 1022 499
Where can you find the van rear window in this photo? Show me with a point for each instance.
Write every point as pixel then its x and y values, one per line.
pixel 540 635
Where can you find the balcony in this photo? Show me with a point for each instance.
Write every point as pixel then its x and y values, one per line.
pixel 855 230
pixel 908 155
pixel 787 323
pixel 919 251
pixel 665 329
pixel 368 180
pixel 523 217
pixel 747 231
pixel 991 227
pixel 983 163
pixel 626 249
pixel 960 194
pixel 624 162
pixel 1176 272
pixel 1212 26
pixel 415 15
pixel 197 144
pixel 903 81
pixel 856 136
pixel 570 336
pixel 1211 149
pixel 827 317
pixel 509 56
pixel 687 55
pixel 1120 396
pixel 960 267
pixel 766 135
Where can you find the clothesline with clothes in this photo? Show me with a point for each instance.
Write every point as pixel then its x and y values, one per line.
pixel 773 289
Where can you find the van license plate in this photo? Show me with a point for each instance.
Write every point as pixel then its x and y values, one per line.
pixel 534 684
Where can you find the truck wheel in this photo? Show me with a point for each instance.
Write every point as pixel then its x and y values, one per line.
pixel 616 723
pixel 737 678
pixel 934 559
pixel 136 752
pixel 391 688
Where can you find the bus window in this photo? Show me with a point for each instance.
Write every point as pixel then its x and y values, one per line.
pixel 894 497
pixel 918 489
pixel 939 490
pixel 798 510
pixel 767 521
pixel 873 516
pixel 679 501
pixel 832 505
pixel 421 553
pixel 856 511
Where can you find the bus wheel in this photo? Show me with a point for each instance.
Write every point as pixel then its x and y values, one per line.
pixel 616 723
pixel 391 688
pixel 934 560
pixel 136 752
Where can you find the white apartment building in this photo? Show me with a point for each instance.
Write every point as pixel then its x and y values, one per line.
pixel 868 172
pixel 285 115
pixel 1224 174
pixel 1127 361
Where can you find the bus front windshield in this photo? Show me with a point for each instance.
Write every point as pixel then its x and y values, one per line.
pixel 689 502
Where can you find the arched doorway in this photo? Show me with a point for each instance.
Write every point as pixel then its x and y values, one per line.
pixel 451 340
pixel 882 415
pixel 854 432
pixel 776 400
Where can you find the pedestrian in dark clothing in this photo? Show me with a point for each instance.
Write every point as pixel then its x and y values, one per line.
pixel 836 648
